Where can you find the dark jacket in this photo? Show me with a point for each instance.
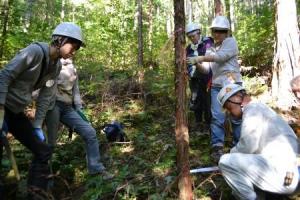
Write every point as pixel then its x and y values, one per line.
pixel 29 70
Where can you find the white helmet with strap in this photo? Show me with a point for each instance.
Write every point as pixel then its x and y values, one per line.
pixel 192 27
pixel 70 30
pixel 220 23
pixel 228 91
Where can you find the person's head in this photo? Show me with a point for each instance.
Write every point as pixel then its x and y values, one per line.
pixel 220 29
pixel 67 38
pixel 295 86
pixel 193 32
pixel 231 98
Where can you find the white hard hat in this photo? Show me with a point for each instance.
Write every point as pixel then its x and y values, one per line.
pixel 228 91
pixel 69 29
pixel 221 23
pixel 192 27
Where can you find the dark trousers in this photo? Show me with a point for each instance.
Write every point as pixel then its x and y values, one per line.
pixel 21 128
pixel 202 108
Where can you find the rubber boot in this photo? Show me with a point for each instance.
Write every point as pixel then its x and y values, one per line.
pixel 38 177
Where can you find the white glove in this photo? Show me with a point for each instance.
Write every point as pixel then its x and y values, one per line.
pixel 194 60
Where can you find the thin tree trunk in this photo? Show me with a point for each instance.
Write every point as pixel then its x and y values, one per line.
pixel 219 9
pixel 286 59
pixel 5 14
pixel 140 33
pixel 28 14
pixel 232 15
pixel 62 12
pixel 181 129
pixel 189 10
pixel 150 32
pixel 50 12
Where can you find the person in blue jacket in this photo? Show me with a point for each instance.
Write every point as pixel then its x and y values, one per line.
pixel 35 67
pixel 199 82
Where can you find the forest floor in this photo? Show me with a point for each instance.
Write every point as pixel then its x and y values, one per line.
pixel 145 165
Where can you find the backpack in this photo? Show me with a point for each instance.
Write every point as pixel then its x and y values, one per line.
pixel 114 132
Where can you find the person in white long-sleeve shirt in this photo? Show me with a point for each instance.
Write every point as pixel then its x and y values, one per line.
pixel 222 60
pixel 266 155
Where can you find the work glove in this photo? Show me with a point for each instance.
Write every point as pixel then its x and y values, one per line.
pixel 82 115
pixel 194 60
pixel 39 133
pixel 191 70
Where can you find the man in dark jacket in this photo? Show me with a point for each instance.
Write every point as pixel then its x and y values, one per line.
pixel 35 67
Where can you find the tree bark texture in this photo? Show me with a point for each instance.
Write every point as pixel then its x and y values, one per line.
pixel 28 14
pixel 5 15
pixel 181 130
pixel 219 9
pixel 286 58
pixel 150 32
pixel 140 34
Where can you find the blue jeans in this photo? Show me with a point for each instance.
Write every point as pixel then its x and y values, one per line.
pixel 217 122
pixel 67 115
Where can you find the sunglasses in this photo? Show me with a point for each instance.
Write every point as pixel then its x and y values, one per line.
pixel 219 31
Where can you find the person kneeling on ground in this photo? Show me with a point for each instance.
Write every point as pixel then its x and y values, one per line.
pixel 266 155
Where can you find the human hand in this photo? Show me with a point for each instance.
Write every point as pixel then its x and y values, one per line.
pixel 288 178
pixel 194 60
pixel 39 133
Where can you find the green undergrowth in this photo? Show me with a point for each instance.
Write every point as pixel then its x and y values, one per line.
pixel 145 165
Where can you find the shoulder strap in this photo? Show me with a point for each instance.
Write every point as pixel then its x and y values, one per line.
pixel 43 64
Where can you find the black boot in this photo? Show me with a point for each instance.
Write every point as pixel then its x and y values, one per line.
pixel 37 183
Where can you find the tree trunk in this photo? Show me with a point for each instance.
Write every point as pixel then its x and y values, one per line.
pixel 5 15
pixel 62 12
pixel 140 33
pixel 28 14
pixel 232 15
pixel 286 59
pixel 150 32
pixel 189 10
pixel 219 9
pixel 181 130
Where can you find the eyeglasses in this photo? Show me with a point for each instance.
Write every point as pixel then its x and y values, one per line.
pixel 219 31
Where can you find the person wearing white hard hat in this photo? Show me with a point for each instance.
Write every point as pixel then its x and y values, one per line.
pixel 199 82
pixel 265 157
pixel 35 67
pixel 222 59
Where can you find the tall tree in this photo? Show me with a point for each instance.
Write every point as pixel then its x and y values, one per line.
pixel 150 22
pixel 140 33
pixel 181 129
pixel 28 14
pixel 219 9
pixel 5 15
pixel 286 59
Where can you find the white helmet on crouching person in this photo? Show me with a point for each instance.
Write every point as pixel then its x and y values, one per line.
pixel 67 31
pixel 193 27
pixel 228 91
pixel 220 23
